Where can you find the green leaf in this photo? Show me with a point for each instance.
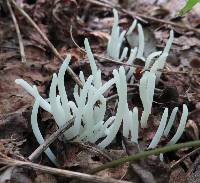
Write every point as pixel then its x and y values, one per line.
pixel 189 5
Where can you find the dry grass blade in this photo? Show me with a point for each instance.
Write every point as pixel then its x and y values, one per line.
pixel 101 57
pixel 60 172
pixel 21 46
pixel 107 4
pixel 174 165
pixel 29 20
pixel 50 140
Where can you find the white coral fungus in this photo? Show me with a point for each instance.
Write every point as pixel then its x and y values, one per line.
pixel 90 122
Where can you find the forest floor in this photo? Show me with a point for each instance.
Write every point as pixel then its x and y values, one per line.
pixel 92 19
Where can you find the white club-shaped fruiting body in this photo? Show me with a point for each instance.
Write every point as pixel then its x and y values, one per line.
pixel 146 89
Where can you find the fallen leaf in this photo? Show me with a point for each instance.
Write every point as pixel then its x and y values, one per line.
pixel 178 176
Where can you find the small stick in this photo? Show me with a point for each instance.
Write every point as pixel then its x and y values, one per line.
pixel 107 4
pixel 184 157
pixel 50 140
pixel 145 154
pixel 101 57
pixel 94 150
pixel 21 46
pixel 128 65
pixel 131 91
pixel 44 37
pixel 60 172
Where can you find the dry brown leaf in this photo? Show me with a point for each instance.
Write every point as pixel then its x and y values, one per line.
pixel 178 176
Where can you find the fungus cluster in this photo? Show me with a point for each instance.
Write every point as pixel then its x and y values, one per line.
pixel 90 122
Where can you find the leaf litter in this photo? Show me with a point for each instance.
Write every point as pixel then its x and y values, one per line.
pixel 94 22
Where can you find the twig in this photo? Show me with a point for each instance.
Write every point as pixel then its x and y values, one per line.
pixel 179 72
pixel 166 71
pixel 55 135
pixel 162 21
pixel 107 4
pixel 94 150
pixel 21 46
pixel 131 92
pixel 101 57
pixel 60 172
pixel 50 140
pixel 184 157
pixel 145 154
pixel 44 37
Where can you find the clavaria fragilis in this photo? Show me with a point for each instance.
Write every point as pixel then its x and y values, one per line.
pixel 90 123
pixel 35 127
pixel 151 62
pixel 85 111
pixel 146 89
pixel 165 127
pixel 160 130
pixel 181 126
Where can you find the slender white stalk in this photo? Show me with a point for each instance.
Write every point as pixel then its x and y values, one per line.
pixel 61 87
pixel 116 17
pixel 123 86
pixel 130 75
pixel 73 107
pixel 134 125
pixel 132 56
pixel 36 130
pixel 141 42
pixel 95 72
pixel 82 77
pixel 132 27
pixel 126 121
pixel 76 95
pixel 146 89
pixel 115 40
pixel 160 62
pixel 114 35
pixel 113 129
pixel 142 89
pixel 109 121
pixel 160 130
pixel 26 86
pixel 169 42
pixel 121 37
pixel 150 59
pixel 144 118
pixel 181 126
pixel 131 59
pixel 132 80
pixel 97 80
pixel 90 57
pixel 170 121
pixel 58 114
pixel 117 47
pixel 124 54
pixel 151 81
pixel 43 103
